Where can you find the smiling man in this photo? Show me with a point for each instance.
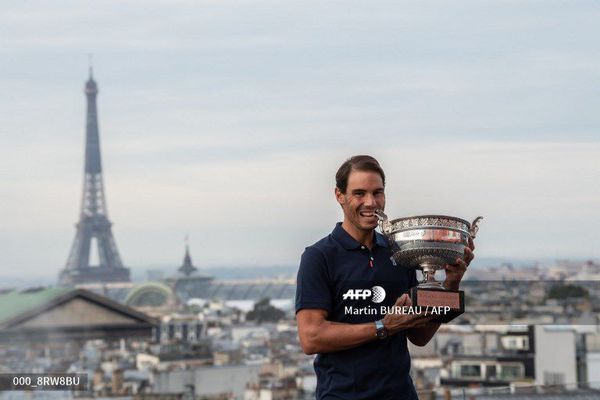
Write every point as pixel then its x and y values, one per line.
pixel 345 281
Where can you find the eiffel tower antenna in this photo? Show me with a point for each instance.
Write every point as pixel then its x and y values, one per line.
pixel 94 227
pixel 91 65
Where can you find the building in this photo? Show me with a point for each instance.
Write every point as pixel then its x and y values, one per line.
pixel 41 315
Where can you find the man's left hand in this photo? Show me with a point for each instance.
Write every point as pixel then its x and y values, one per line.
pixel 455 272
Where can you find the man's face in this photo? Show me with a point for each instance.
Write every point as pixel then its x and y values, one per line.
pixel 364 195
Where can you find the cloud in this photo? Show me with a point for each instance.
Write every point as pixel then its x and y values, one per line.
pixel 537 198
pixel 228 120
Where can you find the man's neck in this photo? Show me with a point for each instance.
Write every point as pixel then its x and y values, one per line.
pixel 361 236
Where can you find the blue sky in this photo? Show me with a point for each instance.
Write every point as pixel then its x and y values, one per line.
pixel 227 121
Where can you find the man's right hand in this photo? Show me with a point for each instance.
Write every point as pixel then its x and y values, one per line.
pixel 396 322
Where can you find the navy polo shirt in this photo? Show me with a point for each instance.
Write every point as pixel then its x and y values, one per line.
pixel 341 276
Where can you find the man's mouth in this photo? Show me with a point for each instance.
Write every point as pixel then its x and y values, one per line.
pixel 367 214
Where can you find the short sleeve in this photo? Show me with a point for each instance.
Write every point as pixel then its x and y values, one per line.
pixel 312 283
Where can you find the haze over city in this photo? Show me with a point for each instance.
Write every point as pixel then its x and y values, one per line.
pixel 229 126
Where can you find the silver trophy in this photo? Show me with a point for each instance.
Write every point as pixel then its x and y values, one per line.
pixel 428 243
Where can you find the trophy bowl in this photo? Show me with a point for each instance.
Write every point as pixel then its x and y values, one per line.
pixel 427 242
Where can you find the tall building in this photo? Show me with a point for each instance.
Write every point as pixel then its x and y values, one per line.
pixel 94 228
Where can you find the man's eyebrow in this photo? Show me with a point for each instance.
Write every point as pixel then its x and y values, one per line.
pixel 380 189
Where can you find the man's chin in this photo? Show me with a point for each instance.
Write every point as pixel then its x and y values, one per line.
pixel 368 226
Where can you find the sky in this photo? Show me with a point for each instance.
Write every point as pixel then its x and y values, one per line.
pixel 226 121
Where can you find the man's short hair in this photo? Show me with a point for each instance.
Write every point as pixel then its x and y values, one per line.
pixel 356 163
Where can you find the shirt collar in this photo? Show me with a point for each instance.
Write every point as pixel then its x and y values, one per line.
pixel 349 243
pixel 380 240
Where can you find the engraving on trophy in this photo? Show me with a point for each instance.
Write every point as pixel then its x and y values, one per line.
pixel 438 298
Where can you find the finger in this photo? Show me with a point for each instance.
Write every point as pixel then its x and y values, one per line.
pixel 403 301
pixel 400 301
pixel 471 243
pixel 469 256
pixel 460 264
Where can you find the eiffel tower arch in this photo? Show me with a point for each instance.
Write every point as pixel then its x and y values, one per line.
pixel 94 228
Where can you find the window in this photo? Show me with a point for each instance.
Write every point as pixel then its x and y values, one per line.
pixel 515 342
pixel 513 371
pixel 470 371
pixel 490 371
pixel 554 378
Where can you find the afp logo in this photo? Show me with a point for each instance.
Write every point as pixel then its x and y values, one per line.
pixel 376 294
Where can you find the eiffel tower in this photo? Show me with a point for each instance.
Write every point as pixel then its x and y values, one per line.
pixel 93 228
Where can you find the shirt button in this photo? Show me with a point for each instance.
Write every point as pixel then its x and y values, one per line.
pixel 362 247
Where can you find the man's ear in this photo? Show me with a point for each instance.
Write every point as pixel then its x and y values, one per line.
pixel 339 196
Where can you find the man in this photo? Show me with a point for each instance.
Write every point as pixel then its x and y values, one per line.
pixel 362 353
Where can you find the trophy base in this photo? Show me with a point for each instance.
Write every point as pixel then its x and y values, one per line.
pixel 446 303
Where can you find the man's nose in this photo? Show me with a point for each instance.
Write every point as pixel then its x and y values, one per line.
pixel 370 200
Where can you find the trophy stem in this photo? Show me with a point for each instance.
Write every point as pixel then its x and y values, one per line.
pixel 429 277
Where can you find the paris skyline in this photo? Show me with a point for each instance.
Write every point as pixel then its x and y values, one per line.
pixel 230 127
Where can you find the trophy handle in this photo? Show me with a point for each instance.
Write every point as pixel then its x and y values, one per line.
pixel 386 230
pixel 474 227
pixel 384 222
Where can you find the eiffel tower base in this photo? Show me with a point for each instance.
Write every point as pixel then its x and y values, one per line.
pixel 94 275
